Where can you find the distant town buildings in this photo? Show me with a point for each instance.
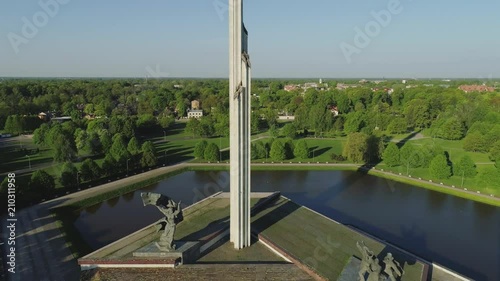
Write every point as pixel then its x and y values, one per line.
pixel 342 86
pixel 334 110
pixel 304 87
pixel 290 88
pixel 195 110
pixel 476 88
pixel 43 116
pixel 195 105
pixel 195 114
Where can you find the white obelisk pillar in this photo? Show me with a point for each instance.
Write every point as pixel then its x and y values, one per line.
pixel 239 120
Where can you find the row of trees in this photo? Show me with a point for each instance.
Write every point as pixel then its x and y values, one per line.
pixel 433 158
pixel 207 151
pixel 121 158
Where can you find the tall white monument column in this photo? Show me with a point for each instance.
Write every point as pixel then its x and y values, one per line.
pixel 239 120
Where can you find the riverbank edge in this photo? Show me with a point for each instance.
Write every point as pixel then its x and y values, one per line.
pixel 493 201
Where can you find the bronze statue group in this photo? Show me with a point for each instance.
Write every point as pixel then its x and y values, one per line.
pixel 370 264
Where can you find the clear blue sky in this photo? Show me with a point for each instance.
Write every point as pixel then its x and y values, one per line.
pixel 288 38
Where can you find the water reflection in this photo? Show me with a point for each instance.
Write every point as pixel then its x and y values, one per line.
pixel 455 232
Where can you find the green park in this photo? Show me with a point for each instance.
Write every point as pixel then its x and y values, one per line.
pixel 439 135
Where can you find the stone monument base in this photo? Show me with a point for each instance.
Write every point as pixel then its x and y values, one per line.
pixel 351 270
pixel 184 250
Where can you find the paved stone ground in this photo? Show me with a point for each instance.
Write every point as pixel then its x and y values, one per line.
pixel 41 253
pixel 218 272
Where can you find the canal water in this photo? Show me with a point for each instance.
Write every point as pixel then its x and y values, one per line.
pixel 457 233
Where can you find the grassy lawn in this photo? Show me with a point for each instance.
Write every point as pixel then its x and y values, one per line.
pixel 456 152
pixel 320 150
pixel 454 148
pixel 14 153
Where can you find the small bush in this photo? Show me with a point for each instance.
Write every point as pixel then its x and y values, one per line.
pixel 337 158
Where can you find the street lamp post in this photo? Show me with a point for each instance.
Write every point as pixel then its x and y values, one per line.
pixel 78 180
pixel 164 158
pixel 164 135
pixel 29 161
pixel 127 166
pixel 220 148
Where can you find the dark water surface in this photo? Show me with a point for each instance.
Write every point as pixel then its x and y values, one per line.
pixel 457 233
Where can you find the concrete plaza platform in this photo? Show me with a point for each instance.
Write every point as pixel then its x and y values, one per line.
pixel 290 242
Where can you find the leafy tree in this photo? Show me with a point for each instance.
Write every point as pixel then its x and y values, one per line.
pixel 301 150
pixel 278 150
pixel 289 131
pixel 398 126
pixel 109 165
pixel 356 147
pixel 193 127
pixel 206 127
pixel 64 148
pixel 259 150
pixel 320 119
pixel 146 123
pixel 41 181
pixel 89 170
pixel 465 168
pixel 199 149
pixel 255 122
pixel 81 137
pixel 338 124
pixel 355 121
pixel 221 126
pixel 133 146
pixel 105 140
pixel 417 114
pixel 40 134
pixel 488 177
pixel 451 129
pixel 391 155
pixel 129 127
pixel 271 117
pixel 14 125
pixel 273 131
pixel 212 153
pixel 289 147
pixel 166 122
pixel 375 148
pixel 495 152
pixel 68 174
pixel 475 142
pixel 439 167
pixel 119 149
pixel 148 155
pixel 4 186
pixel 411 156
